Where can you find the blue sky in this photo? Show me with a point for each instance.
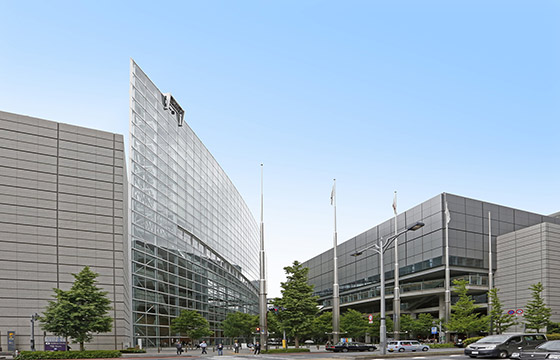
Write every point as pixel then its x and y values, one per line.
pixel 421 97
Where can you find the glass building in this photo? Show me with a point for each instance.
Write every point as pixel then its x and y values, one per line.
pixel 421 256
pixel 195 244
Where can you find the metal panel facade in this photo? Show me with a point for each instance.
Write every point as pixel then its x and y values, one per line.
pixel 62 191
pixel 421 255
pixel 525 257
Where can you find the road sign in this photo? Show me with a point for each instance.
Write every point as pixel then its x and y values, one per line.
pixel 511 312
pixel 370 318
pixel 55 343
pixel 519 311
pixel 434 330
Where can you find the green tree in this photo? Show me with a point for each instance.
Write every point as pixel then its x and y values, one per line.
pixel 240 324
pixel 424 324
pixel 191 324
pixel 322 325
pixel 408 326
pixel 421 326
pixel 499 320
pixel 373 328
pixel 56 319
pixel 273 325
pixel 464 318
pixel 354 324
pixel 537 314
pixel 298 305
pixel 79 312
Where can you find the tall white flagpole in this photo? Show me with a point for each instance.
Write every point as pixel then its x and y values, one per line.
pixel 490 270
pixel 263 306
pixel 336 300
pixel 396 290
pixel 447 271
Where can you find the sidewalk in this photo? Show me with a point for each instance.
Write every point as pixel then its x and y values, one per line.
pixel 172 352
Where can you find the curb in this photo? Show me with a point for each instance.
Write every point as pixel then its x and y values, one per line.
pixel 409 354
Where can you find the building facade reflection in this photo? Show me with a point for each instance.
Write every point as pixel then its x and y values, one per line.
pixel 194 241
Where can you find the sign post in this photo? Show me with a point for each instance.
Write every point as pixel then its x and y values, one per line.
pixel 55 343
pixel 11 341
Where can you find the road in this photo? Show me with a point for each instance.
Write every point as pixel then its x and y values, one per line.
pixel 321 355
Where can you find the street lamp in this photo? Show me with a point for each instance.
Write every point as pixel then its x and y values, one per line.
pixel 380 248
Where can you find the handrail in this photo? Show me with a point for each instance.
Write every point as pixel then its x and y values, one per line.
pixel 473 280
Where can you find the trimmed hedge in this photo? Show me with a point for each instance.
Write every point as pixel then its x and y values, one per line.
pixel 441 346
pixel 553 336
pixel 132 351
pixel 281 351
pixel 88 354
pixel 469 341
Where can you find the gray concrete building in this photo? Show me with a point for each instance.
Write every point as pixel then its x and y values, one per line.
pixel 525 257
pixel 63 205
pixel 525 250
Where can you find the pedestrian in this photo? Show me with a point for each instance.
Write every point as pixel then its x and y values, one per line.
pixel 220 349
pixel 179 347
pixel 257 348
pixel 236 347
pixel 203 346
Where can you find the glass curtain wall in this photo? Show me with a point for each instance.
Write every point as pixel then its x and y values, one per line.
pixel 195 243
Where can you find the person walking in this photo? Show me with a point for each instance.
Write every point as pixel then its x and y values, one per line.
pixel 220 349
pixel 236 347
pixel 257 348
pixel 179 347
pixel 203 346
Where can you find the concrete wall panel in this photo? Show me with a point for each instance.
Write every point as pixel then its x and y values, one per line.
pixel 57 216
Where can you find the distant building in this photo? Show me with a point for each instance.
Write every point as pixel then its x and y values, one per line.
pixel 525 250
pixel 63 192
pixel 195 244
pixel 525 257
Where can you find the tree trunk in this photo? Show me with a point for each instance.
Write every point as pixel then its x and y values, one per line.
pixel 82 346
pixel 296 341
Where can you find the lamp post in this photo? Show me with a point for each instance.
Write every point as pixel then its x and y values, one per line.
pixel 263 305
pixel 380 248
pixel 34 318
pixel 336 298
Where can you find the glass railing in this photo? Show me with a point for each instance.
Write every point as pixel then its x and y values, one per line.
pixel 473 280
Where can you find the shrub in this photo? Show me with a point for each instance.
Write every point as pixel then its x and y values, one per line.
pixel 470 340
pixel 88 354
pixel 132 351
pixel 553 328
pixel 280 351
pixel 553 336
pixel 441 346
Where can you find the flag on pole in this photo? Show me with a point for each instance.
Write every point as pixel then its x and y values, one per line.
pixel 395 203
pixel 447 214
pixel 333 193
